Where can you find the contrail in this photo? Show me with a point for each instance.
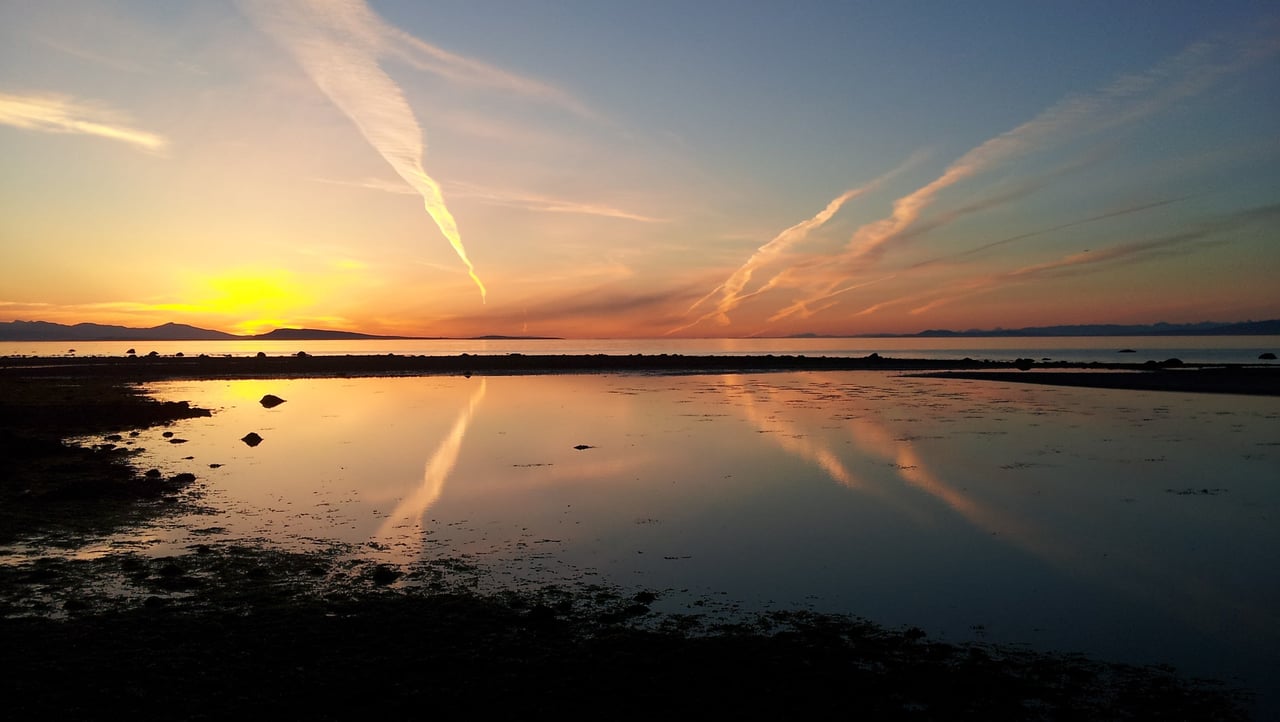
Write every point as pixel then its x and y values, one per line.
pixel 732 289
pixel 337 43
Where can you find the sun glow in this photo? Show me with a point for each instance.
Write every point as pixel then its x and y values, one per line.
pixel 250 301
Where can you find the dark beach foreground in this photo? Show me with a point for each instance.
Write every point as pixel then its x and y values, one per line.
pixel 223 629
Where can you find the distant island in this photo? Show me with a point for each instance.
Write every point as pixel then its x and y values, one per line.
pixel 46 331
pixel 1205 328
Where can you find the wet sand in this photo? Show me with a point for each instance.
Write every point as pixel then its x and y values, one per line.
pixel 224 629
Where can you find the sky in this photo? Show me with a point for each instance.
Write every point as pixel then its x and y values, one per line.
pixel 671 168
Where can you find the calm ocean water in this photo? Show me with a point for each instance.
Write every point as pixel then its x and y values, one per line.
pixel 1191 349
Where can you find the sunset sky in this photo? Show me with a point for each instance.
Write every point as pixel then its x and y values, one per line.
pixel 592 168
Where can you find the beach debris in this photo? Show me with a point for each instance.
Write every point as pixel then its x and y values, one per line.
pixel 582 447
pixel 251 439
pixel 270 401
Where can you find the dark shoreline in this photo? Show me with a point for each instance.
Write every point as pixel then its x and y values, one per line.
pixel 222 628
pixel 1171 375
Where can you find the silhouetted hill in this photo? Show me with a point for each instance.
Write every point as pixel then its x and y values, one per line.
pixel 45 331
pixel 1206 328
pixel 313 334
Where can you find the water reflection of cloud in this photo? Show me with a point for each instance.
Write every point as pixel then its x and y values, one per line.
pixel 409 513
pixel 1131 571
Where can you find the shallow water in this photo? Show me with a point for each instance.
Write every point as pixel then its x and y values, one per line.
pixel 1135 526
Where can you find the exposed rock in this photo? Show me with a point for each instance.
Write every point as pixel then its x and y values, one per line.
pixel 384 574
pixel 1268 356
pixel 581 447
pixel 1126 350
pixel 270 401
pixel 251 438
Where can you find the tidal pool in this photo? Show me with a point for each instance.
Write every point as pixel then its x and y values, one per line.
pixel 1133 526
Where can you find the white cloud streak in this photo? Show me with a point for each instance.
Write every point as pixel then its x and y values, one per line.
pixel 732 290
pixel 51 113
pixel 337 43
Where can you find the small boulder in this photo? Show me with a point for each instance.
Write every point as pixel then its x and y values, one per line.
pixel 582 447
pixel 1268 356
pixel 270 401
pixel 251 439
pixel 384 575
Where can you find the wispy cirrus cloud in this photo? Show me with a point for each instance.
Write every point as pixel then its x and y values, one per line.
pixel 53 113
pixel 1127 99
pixel 1086 261
pixel 508 198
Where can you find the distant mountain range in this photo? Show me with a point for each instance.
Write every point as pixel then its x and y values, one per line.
pixel 45 331
pixel 1206 328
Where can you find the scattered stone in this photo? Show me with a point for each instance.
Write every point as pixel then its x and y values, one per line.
pixel 302 354
pixel 270 401
pixel 1268 356
pixel 215 466
pixel 170 570
pixel 581 447
pixel 131 352
pixel 152 474
pixel 384 574
pixel 262 354
pixel 167 434
pixel 176 440
pixel 251 439
pixel 1023 364
pixel 185 477
pixel 1126 350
